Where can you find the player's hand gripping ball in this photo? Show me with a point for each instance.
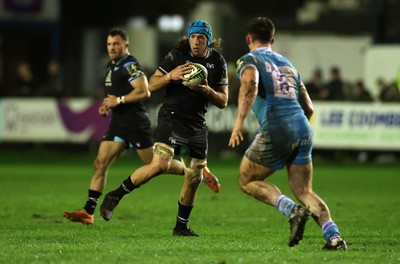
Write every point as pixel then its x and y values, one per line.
pixel 196 76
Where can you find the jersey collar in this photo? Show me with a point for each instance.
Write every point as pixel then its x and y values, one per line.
pixel 263 48
pixel 123 58
pixel 205 57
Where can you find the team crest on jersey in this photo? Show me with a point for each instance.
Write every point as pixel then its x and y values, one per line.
pixel 169 56
pixel 133 71
pixel 132 68
pixel 239 63
pixel 172 140
pixel 224 78
pixel 108 78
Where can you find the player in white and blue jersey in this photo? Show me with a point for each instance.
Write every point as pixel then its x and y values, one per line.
pixel 273 88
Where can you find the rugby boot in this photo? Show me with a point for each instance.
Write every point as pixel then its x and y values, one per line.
pixel 107 207
pixel 336 244
pixel 79 216
pixel 211 180
pixel 297 222
pixel 184 232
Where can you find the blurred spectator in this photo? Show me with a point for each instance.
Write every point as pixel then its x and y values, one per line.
pixel 361 92
pixel 334 88
pixel 316 85
pixel 388 93
pixel 398 80
pixel 394 93
pixel 53 85
pixel 349 93
pixel 383 89
pixel 25 81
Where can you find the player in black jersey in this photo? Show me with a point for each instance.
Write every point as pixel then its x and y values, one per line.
pixel 181 119
pixel 126 87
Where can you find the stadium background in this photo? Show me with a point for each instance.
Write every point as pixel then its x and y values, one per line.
pixel 360 37
pixel 49 135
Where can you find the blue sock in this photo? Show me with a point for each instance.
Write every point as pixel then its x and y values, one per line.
pixel 285 205
pixel 330 230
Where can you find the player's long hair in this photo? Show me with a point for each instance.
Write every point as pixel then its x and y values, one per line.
pixel 183 44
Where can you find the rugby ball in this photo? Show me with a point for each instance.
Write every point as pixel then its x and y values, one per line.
pixel 197 75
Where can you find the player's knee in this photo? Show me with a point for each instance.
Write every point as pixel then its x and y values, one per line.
pixel 164 151
pixel 244 179
pixel 242 183
pixel 196 170
pixel 194 176
pixel 99 165
pixel 199 165
pixel 242 187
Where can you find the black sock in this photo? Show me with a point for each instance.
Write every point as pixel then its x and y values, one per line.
pixel 126 187
pixel 183 216
pixel 91 203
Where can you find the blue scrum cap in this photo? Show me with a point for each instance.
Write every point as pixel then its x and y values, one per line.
pixel 201 27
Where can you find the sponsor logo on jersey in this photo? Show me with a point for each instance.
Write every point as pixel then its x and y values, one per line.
pixel 108 78
pixel 172 140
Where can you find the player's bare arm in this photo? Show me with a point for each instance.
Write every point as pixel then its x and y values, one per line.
pixel 217 96
pixel 139 92
pixel 159 80
pixel 305 102
pixel 247 95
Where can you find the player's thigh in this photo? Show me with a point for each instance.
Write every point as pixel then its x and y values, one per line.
pixel 269 150
pixel 251 171
pixel 109 151
pixel 186 160
pixel 146 154
pixel 198 143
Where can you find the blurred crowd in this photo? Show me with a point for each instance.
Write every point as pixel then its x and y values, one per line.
pixel 332 89
pixel 27 84
pixel 336 89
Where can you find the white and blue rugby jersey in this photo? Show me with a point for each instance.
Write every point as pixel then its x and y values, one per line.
pixel 278 87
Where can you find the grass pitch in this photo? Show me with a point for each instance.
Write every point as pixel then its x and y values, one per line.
pixel 234 228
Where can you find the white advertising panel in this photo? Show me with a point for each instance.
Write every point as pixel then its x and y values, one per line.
pixel 369 126
pixel 336 125
pixel 48 120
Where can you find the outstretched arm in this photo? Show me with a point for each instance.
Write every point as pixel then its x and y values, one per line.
pixel 247 95
pixel 305 101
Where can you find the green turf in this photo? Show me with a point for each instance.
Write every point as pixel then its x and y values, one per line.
pixel 234 228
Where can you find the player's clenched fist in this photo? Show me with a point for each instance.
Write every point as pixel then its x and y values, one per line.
pixel 103 110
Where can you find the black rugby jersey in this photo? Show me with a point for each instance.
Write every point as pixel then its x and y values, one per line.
pixel 117 82
pixel 183 101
